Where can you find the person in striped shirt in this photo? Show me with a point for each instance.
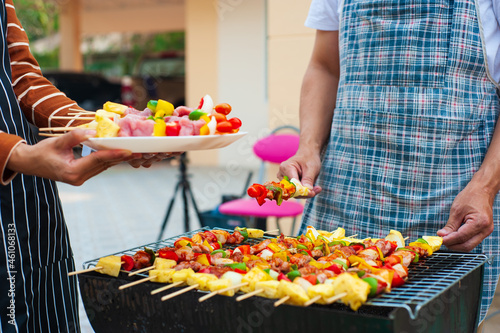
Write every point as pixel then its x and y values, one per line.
pixel 36 294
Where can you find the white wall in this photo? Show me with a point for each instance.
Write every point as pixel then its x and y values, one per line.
pixel 242 62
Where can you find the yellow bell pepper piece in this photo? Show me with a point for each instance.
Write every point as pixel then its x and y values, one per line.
pixel 423 246
pixel 165 106
pixel 281 255
pixel 208 245
pixel 159 128
pixel 274 247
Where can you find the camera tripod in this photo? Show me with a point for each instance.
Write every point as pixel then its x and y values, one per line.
pixel 185 187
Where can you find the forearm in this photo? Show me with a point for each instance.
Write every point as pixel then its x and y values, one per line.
pixel 319 92
pixel 488 176
pixel 317 103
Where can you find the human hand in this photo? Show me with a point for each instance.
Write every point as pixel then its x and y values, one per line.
pixel 304 166
pixel 53 158
pixel 146 160
pixel 470 220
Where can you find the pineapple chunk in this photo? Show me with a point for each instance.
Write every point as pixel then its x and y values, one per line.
pixel 111 265
pixel 220 284
pixel 255 233
pixel 252 277
pixel 162 276
pixel 357 290
pixel 324 290
pixel 115 107
pixel 182 275
pixel 201 279
pixel 339 233
pixel 270 288
pixel 435 242
pixel 161 263
pixel 107 128
pixel 298 296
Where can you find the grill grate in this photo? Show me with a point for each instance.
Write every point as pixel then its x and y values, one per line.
pixel 428 278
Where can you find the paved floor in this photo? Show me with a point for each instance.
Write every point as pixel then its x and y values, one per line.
pixel 124 207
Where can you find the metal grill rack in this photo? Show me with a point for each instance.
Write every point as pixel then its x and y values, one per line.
pixel 428 279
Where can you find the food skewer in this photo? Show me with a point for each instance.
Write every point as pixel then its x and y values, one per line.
pixel 81 110
pixel 271 231
pixel 179 292
pixel 281 301
pixel 335 298
pixel 248 295
pixel 142 270
pixel 57 129
pixel 91 269
pixel 131 284
pixel 72 117
pixel 312 300
pixel 159 290
pixel 50 134
pixel 213 293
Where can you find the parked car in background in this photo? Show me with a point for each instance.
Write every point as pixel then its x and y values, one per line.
pixel 159 76
pixel 89 90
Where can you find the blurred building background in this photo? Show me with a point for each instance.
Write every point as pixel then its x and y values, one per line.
pixel 251 54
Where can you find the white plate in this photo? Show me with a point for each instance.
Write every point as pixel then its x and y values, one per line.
pixel 164 144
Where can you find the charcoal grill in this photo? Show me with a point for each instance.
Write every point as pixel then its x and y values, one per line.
pixel 441 295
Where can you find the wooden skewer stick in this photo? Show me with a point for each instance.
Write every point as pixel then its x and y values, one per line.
pixel 56 129
pixel 312 300
pixel 281 301
pixel 406 238
pixel 352 236
pixel 271 231
pixel 81 110
pixel 179 292
pixel 71 117
pixel 142 270
pixel 213 293
pixel 50 135
pixel 91 269
pixel 131 284
pixel 86 113
pixel 159 290
pixel 248 295
pixel 335 298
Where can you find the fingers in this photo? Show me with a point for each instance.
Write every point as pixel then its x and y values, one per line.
pixel 74 138
pixel 468 236
pixel 454 222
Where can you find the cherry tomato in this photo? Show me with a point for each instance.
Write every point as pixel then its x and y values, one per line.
pixel 128 262
pixel 224 127
pixel 219 117
pixel 236 122
pixel 311 278
pixel 223 108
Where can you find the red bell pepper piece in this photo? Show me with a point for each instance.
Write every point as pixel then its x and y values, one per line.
pixel 397 280
pixel 311 278
pixel 210 237
pixel 334 268
pixel 168 254
pixel 258 192
pixel 357 247
pixel 127 262
pixel 245 249
pixel 282 276
pixel 237 270
pixel 173 128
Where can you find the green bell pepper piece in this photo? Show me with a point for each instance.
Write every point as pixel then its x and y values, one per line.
pixel 196 114
pixel 373 285
pixel 152 105
pixel 219 251
pixel 293 274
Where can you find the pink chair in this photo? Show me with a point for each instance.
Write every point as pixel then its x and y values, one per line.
pixel 274 148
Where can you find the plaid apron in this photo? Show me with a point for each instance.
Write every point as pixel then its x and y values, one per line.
pixel 415 113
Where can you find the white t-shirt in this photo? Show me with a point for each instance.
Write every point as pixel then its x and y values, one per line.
pixel 324 15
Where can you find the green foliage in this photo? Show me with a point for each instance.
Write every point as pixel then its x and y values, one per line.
pixel 39 18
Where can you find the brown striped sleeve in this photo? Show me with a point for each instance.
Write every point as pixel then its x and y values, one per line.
pixel 38 98
pixel 7 144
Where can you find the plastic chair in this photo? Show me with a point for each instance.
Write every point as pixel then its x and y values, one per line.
pixel 275 149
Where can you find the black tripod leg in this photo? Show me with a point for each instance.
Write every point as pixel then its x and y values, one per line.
pixel 169 210
pixel 185 189
pixel 190 192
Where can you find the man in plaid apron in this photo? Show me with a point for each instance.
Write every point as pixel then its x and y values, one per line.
pixel 412 144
